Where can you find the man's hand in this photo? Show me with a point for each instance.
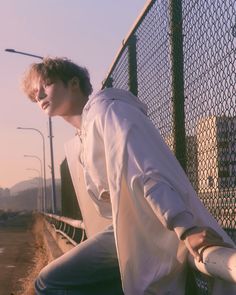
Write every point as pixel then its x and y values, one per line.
pixel 201 237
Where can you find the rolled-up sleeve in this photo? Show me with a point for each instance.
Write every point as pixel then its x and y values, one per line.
pixel 169 207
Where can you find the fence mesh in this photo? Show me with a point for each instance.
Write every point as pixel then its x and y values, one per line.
pixel 209 69
pixel 209 60
pixel 120 74
pixel 209 48
pixel 154 79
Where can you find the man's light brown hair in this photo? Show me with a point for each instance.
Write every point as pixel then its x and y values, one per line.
pixel 53 69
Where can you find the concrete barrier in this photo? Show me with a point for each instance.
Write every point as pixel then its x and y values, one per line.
pixel 55 243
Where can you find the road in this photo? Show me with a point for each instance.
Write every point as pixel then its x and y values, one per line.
pixel 17 247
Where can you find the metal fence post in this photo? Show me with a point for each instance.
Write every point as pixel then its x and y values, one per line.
pixel 176 41
pixel 132 59
pixel 108 83
pixel 53 200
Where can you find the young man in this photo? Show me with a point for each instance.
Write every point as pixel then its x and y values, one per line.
pixel 134 179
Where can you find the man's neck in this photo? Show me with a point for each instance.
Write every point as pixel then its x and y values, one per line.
pixel 74 116
pixel 74 120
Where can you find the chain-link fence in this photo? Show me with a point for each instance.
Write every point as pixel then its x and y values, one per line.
pixel 209 76
pixel 180 59
pixel 200 77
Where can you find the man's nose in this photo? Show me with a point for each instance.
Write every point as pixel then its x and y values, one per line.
pixel 40 95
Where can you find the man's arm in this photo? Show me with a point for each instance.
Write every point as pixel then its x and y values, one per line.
pixel 172 212
pixel 148 163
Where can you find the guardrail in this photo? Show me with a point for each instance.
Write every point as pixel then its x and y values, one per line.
pixel 218 262
pixel 71 229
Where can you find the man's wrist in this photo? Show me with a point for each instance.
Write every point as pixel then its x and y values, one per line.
pixel 182 222
pixel 187 232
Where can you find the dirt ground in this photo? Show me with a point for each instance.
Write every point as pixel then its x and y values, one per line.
pixel 22 253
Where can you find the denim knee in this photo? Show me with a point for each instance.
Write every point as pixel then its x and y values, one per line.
pixel 42 289
pixel 48 282
pixel 40 286
pixel 39 289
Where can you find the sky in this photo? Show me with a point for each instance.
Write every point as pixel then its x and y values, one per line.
pixel 89 32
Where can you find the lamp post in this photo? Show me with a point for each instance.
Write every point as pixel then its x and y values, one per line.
pixel 23 53
pixel 36 157
pixel 11 50
pixel 44 164
pixel 40 186
pixel 40 161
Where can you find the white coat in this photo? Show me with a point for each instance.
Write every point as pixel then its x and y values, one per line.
pixel 124 159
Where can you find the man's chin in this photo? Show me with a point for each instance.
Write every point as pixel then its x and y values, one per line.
pixel 50 114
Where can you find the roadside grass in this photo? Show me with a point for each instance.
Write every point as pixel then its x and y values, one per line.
pixel 40 259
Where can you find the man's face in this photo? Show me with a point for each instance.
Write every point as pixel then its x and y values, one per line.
pixel 52 97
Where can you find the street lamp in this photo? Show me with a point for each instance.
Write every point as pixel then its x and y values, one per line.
pixel 44 164
pixel 11 50
pixel 23 53
pixel 36 157
pixel 39 186
pixel 40 161
pixel 36 170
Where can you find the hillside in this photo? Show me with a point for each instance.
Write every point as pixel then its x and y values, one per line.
pixel 30 184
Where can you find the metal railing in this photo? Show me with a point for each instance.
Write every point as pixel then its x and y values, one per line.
pixel 200 275
pixel 71 229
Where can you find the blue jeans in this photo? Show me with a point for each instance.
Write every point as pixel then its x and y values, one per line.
pixel 89 268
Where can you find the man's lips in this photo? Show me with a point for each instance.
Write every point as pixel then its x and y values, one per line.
pixel 44 105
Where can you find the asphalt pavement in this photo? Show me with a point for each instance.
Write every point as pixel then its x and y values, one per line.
pixel 16 250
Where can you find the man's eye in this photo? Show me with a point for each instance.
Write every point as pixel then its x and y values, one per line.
pixel 48 83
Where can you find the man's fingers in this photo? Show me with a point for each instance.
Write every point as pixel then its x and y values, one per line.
pixel 200 239
pixel 193 251
pixel 196 255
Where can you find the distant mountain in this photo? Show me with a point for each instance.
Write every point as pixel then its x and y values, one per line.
pixel 30 184
pixel 25 195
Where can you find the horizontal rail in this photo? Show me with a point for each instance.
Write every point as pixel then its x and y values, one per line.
pixel 67 227
pixel 73 222
pixel 139 19
pixel 218 262
pixel 65 235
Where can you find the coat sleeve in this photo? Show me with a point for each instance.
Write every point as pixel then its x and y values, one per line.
pixel 133 145
pixel 168 205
